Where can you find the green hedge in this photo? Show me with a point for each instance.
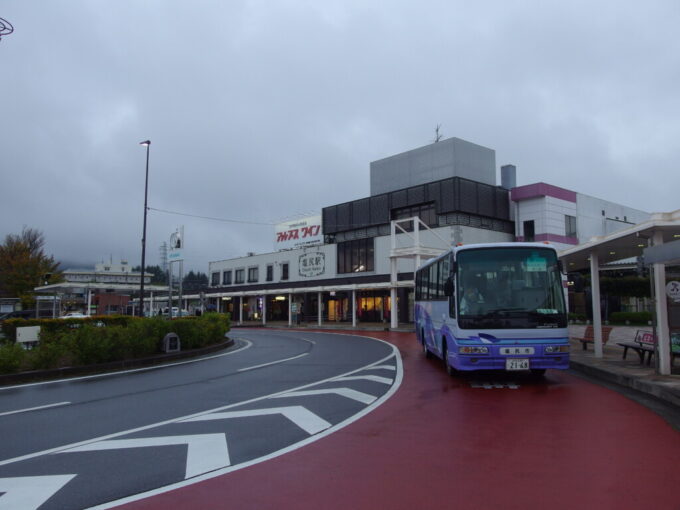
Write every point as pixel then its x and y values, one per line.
pixel 9 327
pixel 98 341
pixel 631 317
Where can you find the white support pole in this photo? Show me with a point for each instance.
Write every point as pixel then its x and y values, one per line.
pixel 89 301
pixel 354 308
pixel 151 314
pixel 290 309
pixel 661 310
pixel 319 301
pixel 394 318
pixel 597 315
pixel 264 309
pixel 240 309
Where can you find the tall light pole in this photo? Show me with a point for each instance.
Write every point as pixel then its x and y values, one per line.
pixel 146 188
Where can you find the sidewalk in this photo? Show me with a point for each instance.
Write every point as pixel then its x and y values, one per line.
pixel 629 372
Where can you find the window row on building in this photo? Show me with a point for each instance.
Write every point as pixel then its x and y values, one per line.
pixel 238 276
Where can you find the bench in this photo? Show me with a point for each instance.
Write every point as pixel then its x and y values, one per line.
pixel 589 338
pixel 643 345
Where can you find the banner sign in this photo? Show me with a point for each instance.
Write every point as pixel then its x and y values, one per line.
pixel 312 264
pixel 299 233
pixel 176 251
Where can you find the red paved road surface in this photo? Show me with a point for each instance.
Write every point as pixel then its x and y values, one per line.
pixel 439 443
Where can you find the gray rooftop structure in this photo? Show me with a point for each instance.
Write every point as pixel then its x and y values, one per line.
pixel 452 157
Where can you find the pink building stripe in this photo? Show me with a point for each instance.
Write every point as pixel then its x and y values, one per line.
pixel 541 189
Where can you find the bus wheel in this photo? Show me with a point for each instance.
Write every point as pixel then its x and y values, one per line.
pixel 449 369
pixel 426 351
pixel 538 372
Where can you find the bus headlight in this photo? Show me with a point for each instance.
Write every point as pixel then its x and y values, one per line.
pixel 555 349
pixel 468 349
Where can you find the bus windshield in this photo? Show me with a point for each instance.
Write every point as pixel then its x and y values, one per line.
pixel 509 288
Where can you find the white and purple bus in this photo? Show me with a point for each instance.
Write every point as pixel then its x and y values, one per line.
pixel 496 306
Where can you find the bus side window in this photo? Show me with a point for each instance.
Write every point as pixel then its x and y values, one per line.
pixel 452 304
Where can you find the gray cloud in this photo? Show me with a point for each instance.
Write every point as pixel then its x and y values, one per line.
pixel 266 110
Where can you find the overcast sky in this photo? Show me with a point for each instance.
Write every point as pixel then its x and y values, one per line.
pixel 267 110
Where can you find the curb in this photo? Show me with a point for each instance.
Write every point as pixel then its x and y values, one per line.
pixel 113 366
pixel 651 388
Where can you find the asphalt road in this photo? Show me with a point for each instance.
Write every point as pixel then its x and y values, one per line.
pixel 477 441
pixel 87 441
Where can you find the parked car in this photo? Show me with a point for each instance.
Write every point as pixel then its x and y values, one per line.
pixel 176 312
pixel 74 315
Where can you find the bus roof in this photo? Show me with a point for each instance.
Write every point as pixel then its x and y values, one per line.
pixel 476 246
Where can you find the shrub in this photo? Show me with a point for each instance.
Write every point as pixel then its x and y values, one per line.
pixel 631 317
pixel 11 358
pixel 107 338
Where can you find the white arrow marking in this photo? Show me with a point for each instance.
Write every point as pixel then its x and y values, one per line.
pixel 302 417
pixel 383 367
pixel 364 398
pixel 374 378
pixel 29 492
pixel 206 452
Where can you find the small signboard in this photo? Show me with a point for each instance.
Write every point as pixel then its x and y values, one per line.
pixel 28 336
pixel 312 264
pixel 673 290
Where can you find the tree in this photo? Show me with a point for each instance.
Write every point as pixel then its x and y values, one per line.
pixel 159 277
pixel 24 265
pixel 195 281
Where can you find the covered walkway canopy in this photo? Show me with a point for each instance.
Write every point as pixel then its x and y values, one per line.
pixel 88 287
pixel 658 239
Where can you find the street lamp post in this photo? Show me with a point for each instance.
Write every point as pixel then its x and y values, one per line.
pixel 146 188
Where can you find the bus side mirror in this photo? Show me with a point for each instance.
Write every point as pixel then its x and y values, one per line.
pixel 448 286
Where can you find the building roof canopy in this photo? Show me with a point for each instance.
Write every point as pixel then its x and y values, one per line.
pixel 623 244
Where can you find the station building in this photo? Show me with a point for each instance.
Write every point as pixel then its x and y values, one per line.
pixel 355 261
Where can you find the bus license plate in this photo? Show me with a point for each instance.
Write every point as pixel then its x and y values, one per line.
pixel 517 364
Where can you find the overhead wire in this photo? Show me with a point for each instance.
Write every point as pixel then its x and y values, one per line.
pixel 224 220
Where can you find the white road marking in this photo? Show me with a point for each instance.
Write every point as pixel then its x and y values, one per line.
pixel 293 447
pixel 205 452
pixel 30 492
pixel 359 396
pixel 374 378
pixel 302 417
pixel 131 371
pixel 136 497
pixel 272 362
pixel 385 367
pixel 209 411
pixel 6 413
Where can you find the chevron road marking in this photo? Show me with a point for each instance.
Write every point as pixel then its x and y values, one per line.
pixel 29 492
pixel 302 417
pixel 383 367
pixel 374 378
pixel 206 452
pixel 359 396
